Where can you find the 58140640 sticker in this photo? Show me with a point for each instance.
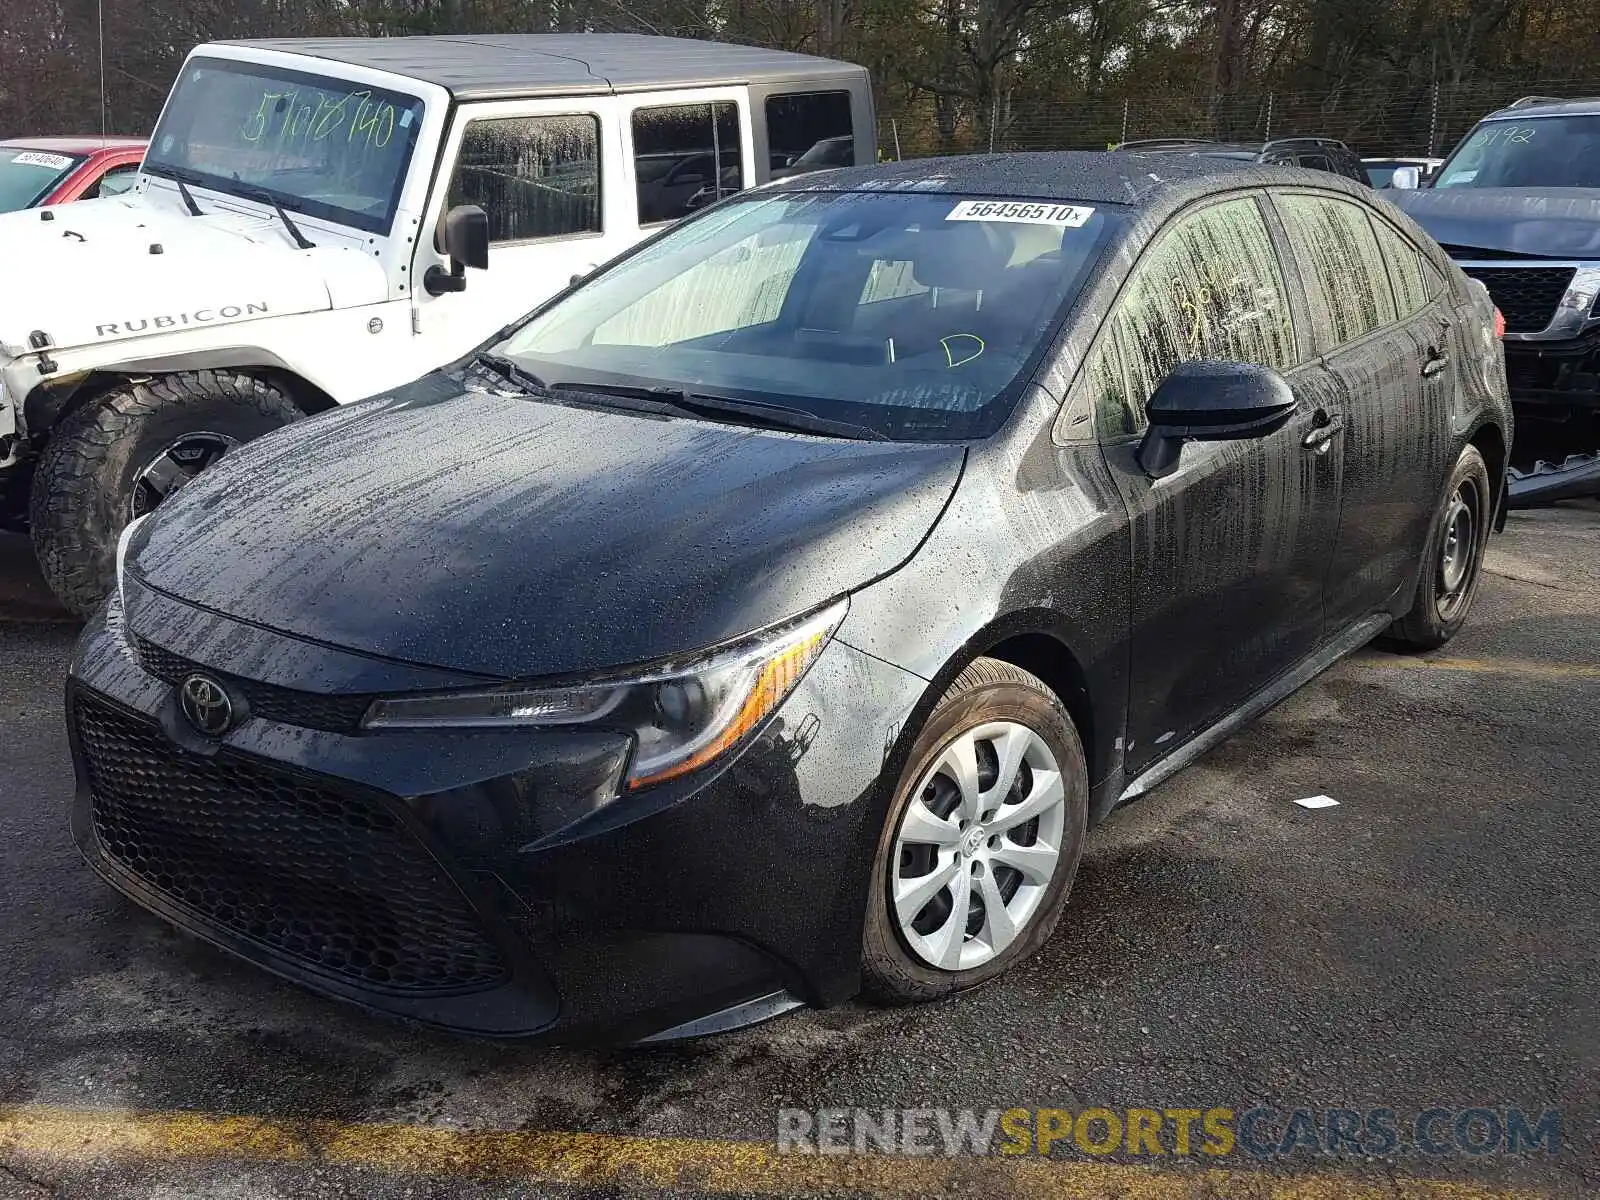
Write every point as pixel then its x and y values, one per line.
pixel 1025 212
pixel 38 158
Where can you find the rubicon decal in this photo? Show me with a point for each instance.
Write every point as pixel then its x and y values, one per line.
pixel 200 316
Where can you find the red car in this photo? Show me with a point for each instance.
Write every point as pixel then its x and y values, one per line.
pixel 53 170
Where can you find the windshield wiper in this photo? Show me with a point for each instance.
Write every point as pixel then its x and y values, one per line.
pixel 511 372
pixel 705 404
pixel 266 197
pixel 182 178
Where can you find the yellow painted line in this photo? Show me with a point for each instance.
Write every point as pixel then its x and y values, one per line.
pixel 1481 666
pixel 74 1136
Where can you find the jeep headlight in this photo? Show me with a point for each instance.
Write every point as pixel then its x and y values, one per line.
pixel 682 714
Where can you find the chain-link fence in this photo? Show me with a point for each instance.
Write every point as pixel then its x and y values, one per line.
pixel 1424 119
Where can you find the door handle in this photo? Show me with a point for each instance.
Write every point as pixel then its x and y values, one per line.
pixel 1436 363
pixel 1324 428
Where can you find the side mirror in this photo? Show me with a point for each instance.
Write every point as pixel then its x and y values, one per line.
pixel 466 241
pixel 1211 402
pixel 1405 179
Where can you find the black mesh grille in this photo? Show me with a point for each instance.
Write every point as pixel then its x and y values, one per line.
pixel 337 714
pixel 331 880
pixel 1526 296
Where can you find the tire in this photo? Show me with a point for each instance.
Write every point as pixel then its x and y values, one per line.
pixel 106 458
pixel 1452 560
pixel 990 699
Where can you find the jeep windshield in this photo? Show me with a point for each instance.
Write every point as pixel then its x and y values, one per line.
pixel 1528 152
pixel 325 147
pixel 913 315
pixel 28 176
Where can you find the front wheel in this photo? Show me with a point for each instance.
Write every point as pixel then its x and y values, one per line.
pixel 121 454
pixel 982 841
pixel 1452 559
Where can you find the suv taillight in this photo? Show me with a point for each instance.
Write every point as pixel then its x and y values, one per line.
pixel 1499 322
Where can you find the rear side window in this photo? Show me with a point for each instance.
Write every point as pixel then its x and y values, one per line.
pixel 810 131
pixel 536 177
pixel 1210 288
pixel 1407 272
pixel 1347 287
pixel 1316 162
pixel 685 156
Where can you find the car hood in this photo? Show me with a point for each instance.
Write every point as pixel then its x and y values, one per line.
pixel 110 270
pixel 1549 222
pixel 515 538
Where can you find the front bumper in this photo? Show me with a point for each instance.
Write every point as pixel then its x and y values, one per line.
pixel 443 877
pixel 1548 378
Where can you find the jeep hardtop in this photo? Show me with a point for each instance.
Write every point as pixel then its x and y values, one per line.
pixel 320 220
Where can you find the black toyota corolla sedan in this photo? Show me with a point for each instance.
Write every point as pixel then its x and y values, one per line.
pixel 767 618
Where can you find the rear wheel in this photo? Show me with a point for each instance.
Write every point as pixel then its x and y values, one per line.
pixel 120 455
pixel 982 841
pixel 1452 561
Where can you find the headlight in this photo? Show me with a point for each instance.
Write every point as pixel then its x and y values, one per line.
pixel 682 714
pixel 122 552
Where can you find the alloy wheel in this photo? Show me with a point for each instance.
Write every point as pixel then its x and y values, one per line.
pixel 175 466
pixel 977 846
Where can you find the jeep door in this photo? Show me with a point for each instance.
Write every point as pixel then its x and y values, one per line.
pixel 1230 551
pixel 1382 329
pixel 544 172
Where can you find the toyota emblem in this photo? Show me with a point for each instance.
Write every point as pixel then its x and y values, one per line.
pixel 206 704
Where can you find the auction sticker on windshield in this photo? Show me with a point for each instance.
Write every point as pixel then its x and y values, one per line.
pixel 1027 212
pixel 33 158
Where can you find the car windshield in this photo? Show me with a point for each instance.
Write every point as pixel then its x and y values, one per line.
pixel 1380 174
pixel 28 176
pixel 1536 152
pixel 914 315
pixel 329 148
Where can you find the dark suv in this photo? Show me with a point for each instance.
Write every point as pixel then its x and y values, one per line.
pixel 1313 153
pixel 1517 205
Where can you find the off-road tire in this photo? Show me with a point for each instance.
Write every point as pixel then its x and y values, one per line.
pixel 1425 627
pixel 987 690
pixel 79 502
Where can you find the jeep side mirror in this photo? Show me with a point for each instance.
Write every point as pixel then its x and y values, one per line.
pixel 1405 179
pixel 466 241
pixel 1211 402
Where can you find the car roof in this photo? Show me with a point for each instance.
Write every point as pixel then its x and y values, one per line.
pixel 1091 176
pixel 1548 106
pixel 84 144
pixel 494 66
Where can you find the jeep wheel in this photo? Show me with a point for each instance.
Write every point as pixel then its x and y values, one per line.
pixel 121 454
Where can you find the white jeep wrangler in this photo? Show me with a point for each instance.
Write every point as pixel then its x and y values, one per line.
pixel 303 227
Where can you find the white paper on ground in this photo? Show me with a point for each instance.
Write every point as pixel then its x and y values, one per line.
pixel 1318 802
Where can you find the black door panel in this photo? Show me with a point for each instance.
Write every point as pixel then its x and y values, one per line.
pixel 1229 558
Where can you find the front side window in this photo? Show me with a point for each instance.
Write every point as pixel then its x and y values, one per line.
pixel 115 182
pixel 685 156
pixel 809 131
pixel 329 148
pixel 1347 287
pixel 1210 289
pixel 28 176
pixel 918 315
pixel 1537 152
pixel 536 177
